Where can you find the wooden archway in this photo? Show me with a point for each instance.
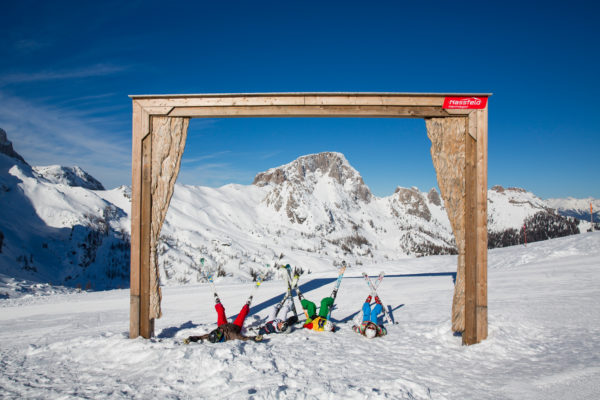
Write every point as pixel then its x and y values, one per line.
pixel 456 125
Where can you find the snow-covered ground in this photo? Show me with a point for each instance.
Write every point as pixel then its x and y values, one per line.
pixel 544 336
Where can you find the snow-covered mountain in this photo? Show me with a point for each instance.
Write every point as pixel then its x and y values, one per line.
pixel 578 208
pixel 57 231
pixel 59 226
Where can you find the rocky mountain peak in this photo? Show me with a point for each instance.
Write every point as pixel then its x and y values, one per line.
pixel 332 164
pixel 307 170
pixel 7 148
pixel 325 182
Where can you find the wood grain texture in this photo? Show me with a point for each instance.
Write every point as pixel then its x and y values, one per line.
pixel 291 99
pixel 447 137
pixel 470 333
pixel 145 224
pixel 168 142
pixel 136 185
pixel 482 229
pixel 341 111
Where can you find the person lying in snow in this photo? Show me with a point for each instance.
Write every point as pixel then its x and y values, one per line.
pixel 318 322
pixel 278 322
pixel 226 330
pixel 369 327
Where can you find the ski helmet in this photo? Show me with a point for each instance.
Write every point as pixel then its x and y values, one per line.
pixel 371 331
pixel 282 326
pixel 215 336
pixel 328 326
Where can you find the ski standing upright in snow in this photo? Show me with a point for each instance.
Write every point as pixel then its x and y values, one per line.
pixel 291 282
pixel 373 289
pixel 338 282
pixel 358 318
pixel 299 292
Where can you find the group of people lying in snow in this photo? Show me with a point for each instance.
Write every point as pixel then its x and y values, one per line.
pixel 279 322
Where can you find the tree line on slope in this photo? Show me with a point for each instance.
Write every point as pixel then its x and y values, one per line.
pixel 540 226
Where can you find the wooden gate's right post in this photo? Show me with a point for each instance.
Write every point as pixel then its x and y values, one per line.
pixel 470 333
pixel 476 318
pixel 482 230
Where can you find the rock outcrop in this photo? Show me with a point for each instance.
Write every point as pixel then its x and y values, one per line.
pixel 6 147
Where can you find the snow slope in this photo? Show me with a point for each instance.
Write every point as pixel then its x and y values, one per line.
pixel 544 335
pixel 55 233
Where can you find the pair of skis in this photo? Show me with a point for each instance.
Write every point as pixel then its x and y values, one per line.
pixel 334 292
pixel 373 289
pixel 291 279
pixel 292 282
pixel 292 285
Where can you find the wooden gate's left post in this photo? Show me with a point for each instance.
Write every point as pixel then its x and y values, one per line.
pixel 136 185
pixel 146 324
pixel 140 323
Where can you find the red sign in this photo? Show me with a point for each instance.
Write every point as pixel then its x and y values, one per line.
pixel 463 103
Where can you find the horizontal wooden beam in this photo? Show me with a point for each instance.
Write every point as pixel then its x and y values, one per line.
pixel 304 94
pixel 310 111
pixel 338 100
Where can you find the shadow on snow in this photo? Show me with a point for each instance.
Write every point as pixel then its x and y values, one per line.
pixel 305 288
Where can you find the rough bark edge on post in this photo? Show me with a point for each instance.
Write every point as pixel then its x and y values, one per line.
pixel 447 137
pixel 168 142
pixel 482 229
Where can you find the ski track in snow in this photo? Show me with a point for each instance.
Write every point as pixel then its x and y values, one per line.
pixel 544 335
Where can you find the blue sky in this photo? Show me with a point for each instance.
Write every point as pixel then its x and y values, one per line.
pixel 66 69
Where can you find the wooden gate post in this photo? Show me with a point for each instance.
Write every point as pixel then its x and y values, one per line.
pixel 482 229
pixel 141 205
pixel 476 326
